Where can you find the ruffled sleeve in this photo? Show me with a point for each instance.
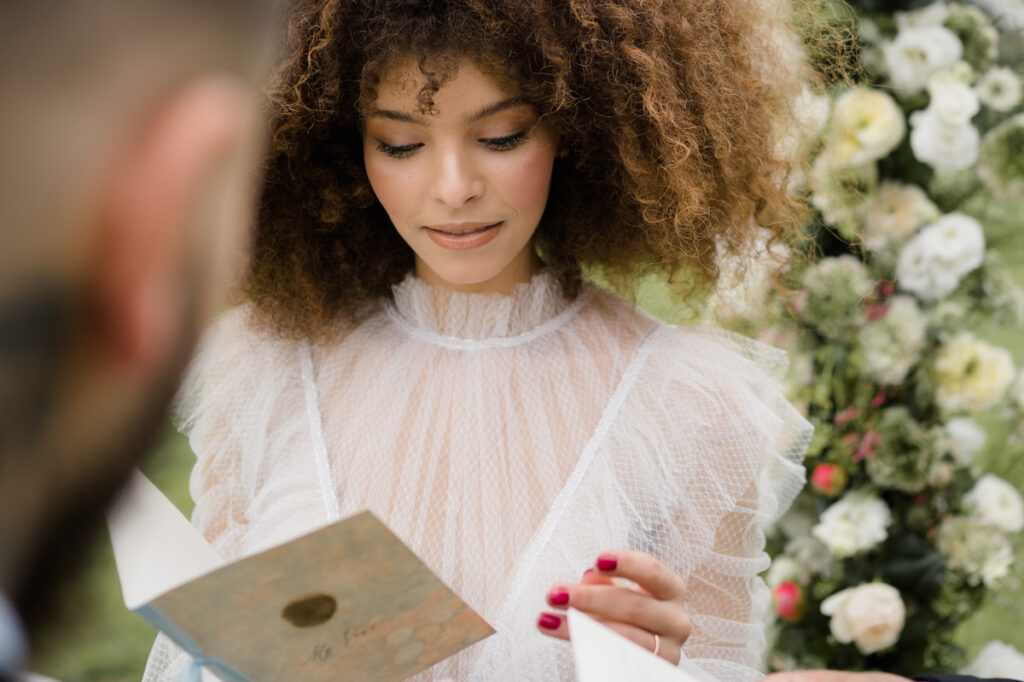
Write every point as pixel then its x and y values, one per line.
pixel 241 406
pixel 711 413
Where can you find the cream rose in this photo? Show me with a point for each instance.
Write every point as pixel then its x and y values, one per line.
pixel 895 213
pixel 867 124
pixel 869 615
pixel 971 374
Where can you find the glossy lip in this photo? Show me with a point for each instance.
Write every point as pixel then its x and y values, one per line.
pixel 443 237
pixel 458 227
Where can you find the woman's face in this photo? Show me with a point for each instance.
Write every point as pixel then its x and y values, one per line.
pixel 466 186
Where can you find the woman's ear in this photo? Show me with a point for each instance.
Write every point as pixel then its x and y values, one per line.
pixel 147 217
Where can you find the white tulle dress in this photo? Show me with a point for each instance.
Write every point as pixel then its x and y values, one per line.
pixel 507 440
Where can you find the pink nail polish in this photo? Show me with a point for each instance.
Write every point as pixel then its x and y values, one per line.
pixel 587 572
pixel 549 621
pixel 606 563
pixel 558 597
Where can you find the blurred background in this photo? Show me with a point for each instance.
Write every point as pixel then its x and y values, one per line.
pixel 934 127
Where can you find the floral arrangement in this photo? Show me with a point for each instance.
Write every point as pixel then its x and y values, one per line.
pixel 918 179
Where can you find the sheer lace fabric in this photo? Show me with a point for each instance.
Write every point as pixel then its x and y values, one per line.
pixel 507 440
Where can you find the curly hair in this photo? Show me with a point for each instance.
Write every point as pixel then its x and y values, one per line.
pixel 669 110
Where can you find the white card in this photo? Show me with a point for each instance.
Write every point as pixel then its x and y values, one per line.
pixel 155 547
pixel 603 655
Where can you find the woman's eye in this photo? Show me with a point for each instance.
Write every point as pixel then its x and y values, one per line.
pixel 397 151
pixel 503 144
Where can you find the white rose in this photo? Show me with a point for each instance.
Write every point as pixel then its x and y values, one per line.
pixel 932 264
pixel 856 523
pixel 867 124
pixel 869 615
pixel 994 502
pixel 810 553
pixel 964 438
pixel 971 374
pixel 952 101
pixel 917 53
pixel 895 213
pixel 996 659
pixel 945 148
pixel 1000 89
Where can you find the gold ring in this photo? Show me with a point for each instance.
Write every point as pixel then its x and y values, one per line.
pixel 657 643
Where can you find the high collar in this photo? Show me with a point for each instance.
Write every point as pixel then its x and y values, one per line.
pixel 469 316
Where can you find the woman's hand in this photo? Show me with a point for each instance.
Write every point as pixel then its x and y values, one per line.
pixel 649 613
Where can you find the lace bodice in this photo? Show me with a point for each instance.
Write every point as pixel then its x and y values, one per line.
pixel 507 440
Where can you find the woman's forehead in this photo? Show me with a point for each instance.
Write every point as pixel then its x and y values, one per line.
pixel 460 86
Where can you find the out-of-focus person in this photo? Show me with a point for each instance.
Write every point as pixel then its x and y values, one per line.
pixel 130 132
pixel 840 676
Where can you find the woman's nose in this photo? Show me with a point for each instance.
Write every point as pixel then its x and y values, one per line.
pixel 458 180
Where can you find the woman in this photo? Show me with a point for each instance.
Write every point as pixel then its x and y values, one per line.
pixel 419 339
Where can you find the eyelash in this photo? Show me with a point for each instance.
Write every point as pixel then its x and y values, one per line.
pixel 498 144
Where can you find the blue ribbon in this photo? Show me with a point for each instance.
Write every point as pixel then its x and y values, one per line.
pixel 193 672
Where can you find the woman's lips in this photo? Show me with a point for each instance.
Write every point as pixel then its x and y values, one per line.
pixel 458 236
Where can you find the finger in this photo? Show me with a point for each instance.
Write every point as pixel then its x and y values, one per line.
pixel 553 625
pixel 592 576
pixel 644 570
pixel 624 605
pixel 556 625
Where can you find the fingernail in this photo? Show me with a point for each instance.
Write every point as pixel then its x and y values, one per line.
pixel 549 621
pixel 587 572
pixel 558 597
pixel 606 563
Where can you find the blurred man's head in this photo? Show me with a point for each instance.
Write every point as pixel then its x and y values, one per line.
pixel 130 133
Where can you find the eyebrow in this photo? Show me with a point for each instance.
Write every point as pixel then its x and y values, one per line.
pixel 486 111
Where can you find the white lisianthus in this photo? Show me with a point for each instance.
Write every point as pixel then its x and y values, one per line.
pixel 952 101
pixel 918 52
pixel 854 524
pixel 932 264
pixel 1000 89
pixel 963 438
pixel 869 615
pixel 867 124
pixel 1009 14
pixel 994 502
pixel 892 345
pixel 895 213
pixel 945 148
pixel 970 374
pixel 996 659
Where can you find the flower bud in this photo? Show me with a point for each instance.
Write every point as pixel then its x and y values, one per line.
pixel 828 479
pixel 788 598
